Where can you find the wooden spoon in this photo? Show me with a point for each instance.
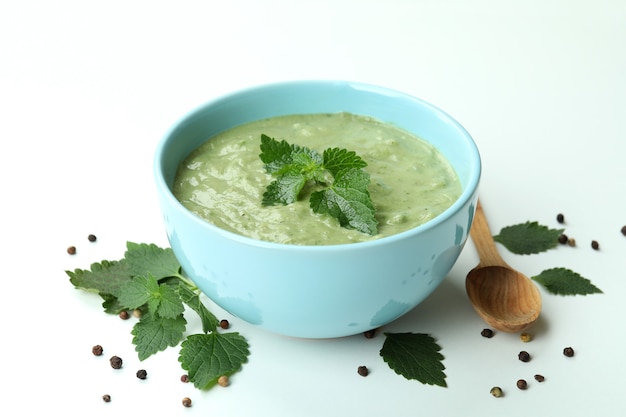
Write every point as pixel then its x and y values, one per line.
pixel 504 298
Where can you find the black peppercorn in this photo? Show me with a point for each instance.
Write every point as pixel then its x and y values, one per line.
pixel 124 315
pixel 142 374
pixel 224 324
pixel 97 350
pixel 71 250
pixel 369 334
pixel 568 351
pixel 624 230
pixel 595 245
pixel 91 238
pixel 539 378
pixel 106 398
pixel 116 362
pixel 524 356
pixel 563 239
pixel 522 384
pixel 362 370
pixel 488 333
pixel 184 378
pixel 560 218
pixel 187 402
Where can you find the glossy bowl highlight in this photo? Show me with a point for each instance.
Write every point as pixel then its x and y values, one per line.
pixel 318 291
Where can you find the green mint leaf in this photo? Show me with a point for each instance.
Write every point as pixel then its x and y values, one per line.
pixel 414 356
pixel 209 321
pixel 563 281
pixel 348 200
pixel 106 277
pixel 206 357
pixel 280 156
pixel 337 160
pixel 528 238
pixel 153 333
pixel 145 258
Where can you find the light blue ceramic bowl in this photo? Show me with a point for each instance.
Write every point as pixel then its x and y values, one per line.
pixel 318 291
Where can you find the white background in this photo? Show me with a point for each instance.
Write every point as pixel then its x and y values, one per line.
pixel 88 88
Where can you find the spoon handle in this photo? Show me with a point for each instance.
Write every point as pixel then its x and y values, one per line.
pixel 483 240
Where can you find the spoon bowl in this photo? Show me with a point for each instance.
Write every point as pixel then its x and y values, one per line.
pixel 503 297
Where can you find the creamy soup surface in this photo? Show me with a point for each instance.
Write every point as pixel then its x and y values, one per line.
pixel 224 179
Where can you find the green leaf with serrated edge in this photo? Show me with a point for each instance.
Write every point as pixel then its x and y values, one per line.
pixel 284 189
pixel 563 281
pixel 206 357
pixel 139 291
pixel 170 304
pixel 208 319
pixel 414 356
pixel 153 334
pixel 145 258
pixel 280 156
pixel 528 238
pixel 106 277
pixel 338 159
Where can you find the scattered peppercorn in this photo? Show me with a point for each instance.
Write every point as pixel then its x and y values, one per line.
pixel 184 378
pixel 522 384
pixel 560 218
pixel 488 333
pixel 223 381
pixel 116 362
pixel 363 371
pixel 568 351
pixel 563 239
pixel 71 250
pixel 187 402
pixel 106 398
pixel 539 378
pixel 525 337
pixel 124 315
pixel 142 374
pixel 369 334
pixel 91 238
pixel 624 230
pixel 571 241
pixel 224 324
pixel 97 350
pixel 137 313
pixel 595 245
pixel 524 356
pixel 496 392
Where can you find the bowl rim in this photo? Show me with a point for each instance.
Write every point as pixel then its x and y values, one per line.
pixel 467 194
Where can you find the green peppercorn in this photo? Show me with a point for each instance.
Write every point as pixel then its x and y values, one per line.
pixel 571 241
pixel 223 381
pixel 496 392
pixel 525 337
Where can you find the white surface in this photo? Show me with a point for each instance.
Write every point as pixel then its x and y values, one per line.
pixel 88 88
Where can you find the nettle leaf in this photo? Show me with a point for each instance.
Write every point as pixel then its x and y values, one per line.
pixel 139 291
pixel 145 258
pixel 153 333
pixel 563 281
pixel 344 194
pixel 209 321
pixel 206 357
pixel 528 238
pixel 106 277
pixel 414 356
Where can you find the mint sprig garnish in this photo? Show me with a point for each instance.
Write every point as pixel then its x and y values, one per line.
pixel 341 183
pixel 415 356
pixel 149 279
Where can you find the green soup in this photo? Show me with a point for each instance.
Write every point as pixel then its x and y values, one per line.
pixel 224 179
